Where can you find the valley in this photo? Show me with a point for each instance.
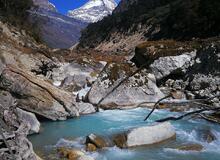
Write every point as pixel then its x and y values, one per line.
pixel 134 80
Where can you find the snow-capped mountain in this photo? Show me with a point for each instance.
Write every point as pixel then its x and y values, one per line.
pixel 93 11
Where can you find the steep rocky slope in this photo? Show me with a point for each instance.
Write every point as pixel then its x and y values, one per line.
pixel 136 21
pixel 56 30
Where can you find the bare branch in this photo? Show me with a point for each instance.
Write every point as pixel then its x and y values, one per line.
pixel 155 106
pixel 187 114
pixel 179 102
pixel 210 119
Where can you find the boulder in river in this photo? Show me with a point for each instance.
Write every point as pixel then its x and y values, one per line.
pixel 98 141
pixel 207 135
pixel 71 154
pixel 90 147
pixel 190 147
pixel 137 89
pixel 146 135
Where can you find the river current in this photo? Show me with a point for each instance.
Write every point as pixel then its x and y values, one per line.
pixel 72 133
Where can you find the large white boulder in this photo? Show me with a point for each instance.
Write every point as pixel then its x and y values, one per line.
pixel 150 134
pixel 164 66
pixel 137 89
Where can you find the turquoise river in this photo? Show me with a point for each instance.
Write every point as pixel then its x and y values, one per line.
pixel 72 133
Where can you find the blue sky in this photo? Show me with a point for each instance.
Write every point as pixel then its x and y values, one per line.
pixel 64 5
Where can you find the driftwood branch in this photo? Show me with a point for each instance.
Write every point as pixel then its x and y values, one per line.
pixel 155 106
pixel 187 114
pixel 210 119
pixel 180 102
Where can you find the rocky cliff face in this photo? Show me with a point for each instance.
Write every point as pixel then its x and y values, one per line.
pixel 22 61
pixel 93 11
pixel 44 4
pixel 124 5
pixel 136 21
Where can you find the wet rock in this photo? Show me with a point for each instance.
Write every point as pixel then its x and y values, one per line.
pixel 98 141
pixel 90 147
pixel 29 118
pixel 207 135
pixel 120 140
pixel 139 88
pixel 150 135
pixel 190 147
pixel 70 154
pixel 145 135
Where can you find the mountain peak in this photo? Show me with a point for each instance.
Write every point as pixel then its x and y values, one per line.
pixel 93 11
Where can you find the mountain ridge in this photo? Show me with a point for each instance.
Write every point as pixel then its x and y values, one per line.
pixel 131 24
pixel 93 10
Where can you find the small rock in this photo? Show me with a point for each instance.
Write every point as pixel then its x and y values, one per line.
pixel 120 140
pixel 98 141
pixel 71 154
pixel 190 147
pixel 90 147
pixel 208 136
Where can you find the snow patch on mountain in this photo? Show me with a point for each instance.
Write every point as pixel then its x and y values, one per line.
pixel 93 11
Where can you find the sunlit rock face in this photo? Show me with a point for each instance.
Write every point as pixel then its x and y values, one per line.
pixel 137 89
pixel 93 11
